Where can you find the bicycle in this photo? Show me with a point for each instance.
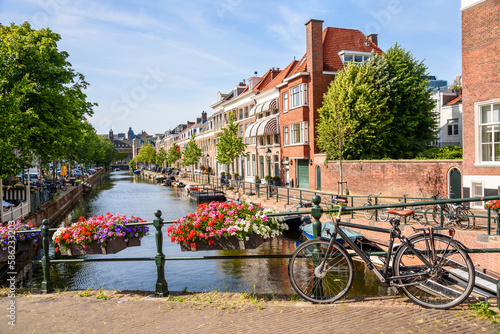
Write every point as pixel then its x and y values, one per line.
pixel 463 220
pixel 432 269
pixel 382 214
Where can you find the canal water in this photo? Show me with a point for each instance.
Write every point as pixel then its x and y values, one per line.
pixel 125 193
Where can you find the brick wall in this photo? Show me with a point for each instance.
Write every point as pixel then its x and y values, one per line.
pixel 480 72
pixel 421 178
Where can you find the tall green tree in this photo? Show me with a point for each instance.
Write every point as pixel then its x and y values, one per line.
pixel 147 153
pixel 192 153
pixel 174 154
pixel 41 96
pixel 161 156
pixel 230 146
pixel 410 103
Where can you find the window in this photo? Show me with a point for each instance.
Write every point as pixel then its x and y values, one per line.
pixel 249 170
pixel 268 140
pixel 285 102
pixel 276 139
pixel 241 130
pixel 253 164
pixel 261 141
pixel 246 112
pixel 247 139
pixel 298 133
pixel 298 96
pixel 489 132
pixel 241 113
pixel 285 135
pixel 477 191
pixel 453 127
pixel 351 57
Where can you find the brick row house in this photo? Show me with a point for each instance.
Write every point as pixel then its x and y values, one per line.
pixel 277 112
pixel 481 97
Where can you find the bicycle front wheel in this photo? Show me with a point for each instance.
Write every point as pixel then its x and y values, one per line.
pixel 328 285
pixel 368 213
pixel 462 222
pixel 441 281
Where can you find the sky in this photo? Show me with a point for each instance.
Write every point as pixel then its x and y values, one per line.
pixel 154 64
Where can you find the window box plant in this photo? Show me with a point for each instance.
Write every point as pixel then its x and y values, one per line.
pixel 221 225
pixel 24 241
pixel 101 234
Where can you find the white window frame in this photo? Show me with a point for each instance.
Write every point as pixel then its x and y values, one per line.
pixel 285 102
pixel 286 138
pixel 453 127
pixel 303 133
pixel 300 91
pixel 478 128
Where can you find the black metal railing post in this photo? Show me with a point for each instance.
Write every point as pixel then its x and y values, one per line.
pixel 161 288
pixel 46 285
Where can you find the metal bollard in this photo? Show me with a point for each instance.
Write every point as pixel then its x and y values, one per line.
pixel 46 285
pixel 161 288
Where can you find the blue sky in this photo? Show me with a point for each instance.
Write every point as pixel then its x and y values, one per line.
pixel 154 64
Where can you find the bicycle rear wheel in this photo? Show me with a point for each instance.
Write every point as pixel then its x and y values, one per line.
pixel 441 283
pixel 382 214
pixel 461 221
pixel 472 218
pixel 368 213
pixel 320 287
pixel 433 215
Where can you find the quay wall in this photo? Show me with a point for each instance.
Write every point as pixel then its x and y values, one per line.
pixel 52 209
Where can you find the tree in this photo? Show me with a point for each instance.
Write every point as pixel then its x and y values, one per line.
pixel 174 154
pixel 411 104
pixel 161 155
pixel 146 153
pixel 381 109
pixel 41 96
pixel 230 146
pixel 192 153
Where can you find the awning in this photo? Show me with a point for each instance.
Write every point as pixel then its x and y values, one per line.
pixel 261 107
pixel 266 126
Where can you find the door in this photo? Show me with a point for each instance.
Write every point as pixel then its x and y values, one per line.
pixel 455 182
pixel 303 173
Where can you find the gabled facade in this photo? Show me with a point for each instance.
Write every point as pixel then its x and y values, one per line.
pixel 301 95
pixel 448 111
pixel 481 97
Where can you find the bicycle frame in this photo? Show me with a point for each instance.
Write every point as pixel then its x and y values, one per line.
pixel 394 233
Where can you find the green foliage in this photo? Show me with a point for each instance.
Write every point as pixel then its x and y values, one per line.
pixel 174 154
pixel 381 109
pixel 42 99
pixel 132 164
pixel 146 153
pixel 482 310
pixel 192 153
pixel 230 146
pixel 446 152
pixel 161 156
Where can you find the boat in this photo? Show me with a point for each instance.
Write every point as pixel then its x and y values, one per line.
pixel 178 184
pixel 137 171
pixel 307 232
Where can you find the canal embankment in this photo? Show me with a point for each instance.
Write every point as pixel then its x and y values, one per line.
pixel 56 207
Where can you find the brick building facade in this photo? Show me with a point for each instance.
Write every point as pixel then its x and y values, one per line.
pixel 481 97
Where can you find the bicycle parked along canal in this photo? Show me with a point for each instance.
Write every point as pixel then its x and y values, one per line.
pixel 418 217
pixel 382 214
pixel 430 268
pixel 453 213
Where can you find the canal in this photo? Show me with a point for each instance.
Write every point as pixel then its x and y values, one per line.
pixel 125 193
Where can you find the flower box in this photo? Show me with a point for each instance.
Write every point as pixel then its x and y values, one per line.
pixel 113 246
pixel 226 243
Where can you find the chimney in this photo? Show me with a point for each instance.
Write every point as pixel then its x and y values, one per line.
pixel 204 115
pixel 373 38
pixel 198 120
pixel 314 46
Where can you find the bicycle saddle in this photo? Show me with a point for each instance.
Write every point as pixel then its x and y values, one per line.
pixel 401 213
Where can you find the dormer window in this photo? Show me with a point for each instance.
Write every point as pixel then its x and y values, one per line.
pixel 354 56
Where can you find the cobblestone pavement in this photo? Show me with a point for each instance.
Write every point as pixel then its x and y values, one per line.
pixel 124 312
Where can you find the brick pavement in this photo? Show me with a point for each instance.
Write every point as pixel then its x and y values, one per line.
pixel 229 313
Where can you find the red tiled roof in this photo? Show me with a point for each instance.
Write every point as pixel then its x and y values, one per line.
pixel 281 76
pixel 266 78
pixel 456 100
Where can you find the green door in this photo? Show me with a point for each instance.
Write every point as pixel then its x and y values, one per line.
pixel 303 174
pixel 455 183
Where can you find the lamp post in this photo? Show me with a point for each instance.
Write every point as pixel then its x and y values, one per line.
pixel 268 156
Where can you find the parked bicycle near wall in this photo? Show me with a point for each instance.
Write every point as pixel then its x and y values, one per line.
pixel 432 269
pixel 382 214
pixel 453 213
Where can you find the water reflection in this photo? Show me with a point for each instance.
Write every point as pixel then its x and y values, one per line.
pixel 125 193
